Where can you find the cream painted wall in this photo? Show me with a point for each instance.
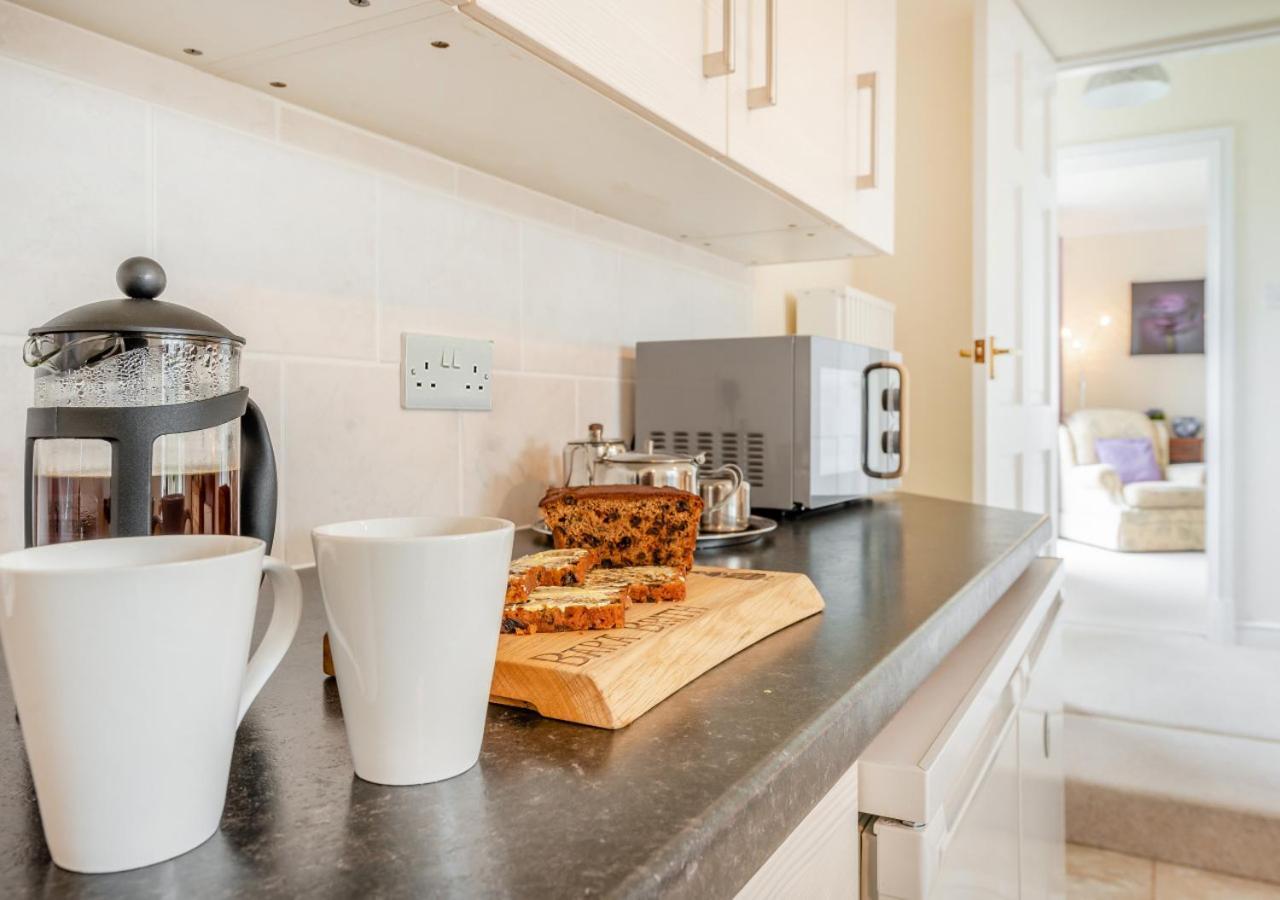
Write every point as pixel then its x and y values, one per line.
pixel 1234 87
pixel 1096 273
pixel 929 275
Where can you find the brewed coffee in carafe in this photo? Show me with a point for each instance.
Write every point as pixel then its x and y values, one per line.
pixel 138 422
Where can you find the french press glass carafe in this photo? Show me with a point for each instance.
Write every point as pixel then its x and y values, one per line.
pixel 140 425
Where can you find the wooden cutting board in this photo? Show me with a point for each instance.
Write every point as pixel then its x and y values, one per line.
pixel 610 678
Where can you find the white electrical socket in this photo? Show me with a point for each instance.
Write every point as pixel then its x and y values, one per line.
pixel 445 373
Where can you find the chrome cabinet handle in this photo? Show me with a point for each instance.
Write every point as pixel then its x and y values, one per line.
pixel 867 82
pixel 767 94
pixel 721 62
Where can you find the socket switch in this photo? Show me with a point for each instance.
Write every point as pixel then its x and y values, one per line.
pixel 445 373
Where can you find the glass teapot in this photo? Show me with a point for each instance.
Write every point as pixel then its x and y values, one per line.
pixel 139 424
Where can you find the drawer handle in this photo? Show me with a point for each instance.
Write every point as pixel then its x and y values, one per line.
pixel 767 94
pixel 867 82
pixel 721 62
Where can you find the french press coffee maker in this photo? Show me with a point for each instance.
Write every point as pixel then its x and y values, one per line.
pixel 139 424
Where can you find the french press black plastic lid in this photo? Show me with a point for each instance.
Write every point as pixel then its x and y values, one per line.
pixel 138 311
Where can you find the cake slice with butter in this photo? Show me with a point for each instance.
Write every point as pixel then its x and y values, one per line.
pixel 566 609
pixel 550 568
pixel 641 584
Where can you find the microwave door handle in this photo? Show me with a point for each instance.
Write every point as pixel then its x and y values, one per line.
pixel 901 448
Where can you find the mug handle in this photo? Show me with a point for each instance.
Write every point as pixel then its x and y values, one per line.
pixel 286 613
pixel 735 474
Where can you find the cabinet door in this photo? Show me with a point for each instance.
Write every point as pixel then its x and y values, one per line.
pixel 787 98
pixel 1042 775
pixel 649 54
pixel 871 82
pixel 981 859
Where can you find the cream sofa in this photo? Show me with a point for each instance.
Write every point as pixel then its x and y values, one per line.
pixel 1142 515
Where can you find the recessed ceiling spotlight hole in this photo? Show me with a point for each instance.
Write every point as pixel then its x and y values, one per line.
pixel 277 84
pixel 192 51
pixel 440 45
pixel 360 3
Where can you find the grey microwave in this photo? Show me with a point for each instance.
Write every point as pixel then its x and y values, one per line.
pixel 811 421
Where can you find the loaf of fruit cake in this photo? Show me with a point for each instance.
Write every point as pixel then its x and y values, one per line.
pixel 641 584
pixel 626 524
pixel 566 609
pixel 550 568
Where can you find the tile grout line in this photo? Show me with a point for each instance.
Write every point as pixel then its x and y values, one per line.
pixel 377 270
pixel 153 187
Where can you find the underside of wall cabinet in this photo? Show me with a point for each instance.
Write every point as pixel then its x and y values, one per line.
pixel 460 85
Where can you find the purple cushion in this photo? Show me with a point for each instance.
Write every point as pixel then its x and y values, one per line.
pixel 1134 459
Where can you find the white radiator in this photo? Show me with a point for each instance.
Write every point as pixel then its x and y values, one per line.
pixel 845 314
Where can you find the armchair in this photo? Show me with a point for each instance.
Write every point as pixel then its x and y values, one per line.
pixel 1140 516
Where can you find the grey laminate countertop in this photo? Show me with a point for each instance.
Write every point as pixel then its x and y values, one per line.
pixel 688 801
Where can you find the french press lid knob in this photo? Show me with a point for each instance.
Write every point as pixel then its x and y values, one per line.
pixel 141 278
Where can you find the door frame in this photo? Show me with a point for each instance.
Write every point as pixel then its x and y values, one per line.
pixel 1216 147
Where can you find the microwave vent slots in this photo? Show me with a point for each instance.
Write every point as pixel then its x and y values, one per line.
pixel 755 459
pixel 744 451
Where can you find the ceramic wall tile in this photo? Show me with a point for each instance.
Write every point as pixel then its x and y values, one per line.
pixel 320 134
pixel 447 267
pixel 477 187
pixel 15 397
pixel 276 244
pixel 321 243
pixel 511 456
pixel 571 304
pixel 351 452
pixel 74 193
pixel 64 48
pixel 608 401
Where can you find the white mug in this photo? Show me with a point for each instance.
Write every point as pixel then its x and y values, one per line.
pixel 127 658
pixel 414 608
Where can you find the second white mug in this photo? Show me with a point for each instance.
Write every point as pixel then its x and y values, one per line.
pixel 414 608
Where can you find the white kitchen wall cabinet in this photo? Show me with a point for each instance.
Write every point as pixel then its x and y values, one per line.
pixel 787 98
pixel 724 124
pixel 870 120
pixel 650 54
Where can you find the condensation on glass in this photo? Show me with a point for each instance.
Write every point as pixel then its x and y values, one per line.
pixel 195 478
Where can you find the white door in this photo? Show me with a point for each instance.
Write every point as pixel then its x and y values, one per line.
pixel 661 55
pixel 787 98
pixel 1015 298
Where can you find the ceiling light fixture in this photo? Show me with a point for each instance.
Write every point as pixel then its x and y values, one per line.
pixel 277 84
pixel 440 45
pixel 1120 88
pixel 192 51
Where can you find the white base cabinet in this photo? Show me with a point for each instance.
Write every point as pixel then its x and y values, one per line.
pixel 961 795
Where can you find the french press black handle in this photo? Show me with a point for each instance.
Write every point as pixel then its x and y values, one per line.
pixel 258 484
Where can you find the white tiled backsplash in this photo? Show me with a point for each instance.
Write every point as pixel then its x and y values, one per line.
pixel 320 244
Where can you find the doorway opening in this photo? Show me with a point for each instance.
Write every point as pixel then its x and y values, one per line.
pixel 1144 244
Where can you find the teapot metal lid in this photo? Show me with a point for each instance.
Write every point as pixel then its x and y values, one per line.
pixel 138 311
pixel 649 456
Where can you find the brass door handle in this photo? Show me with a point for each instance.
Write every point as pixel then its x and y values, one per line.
pixel 978 354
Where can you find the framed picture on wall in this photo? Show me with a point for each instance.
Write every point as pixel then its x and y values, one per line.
pixel 1168 317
